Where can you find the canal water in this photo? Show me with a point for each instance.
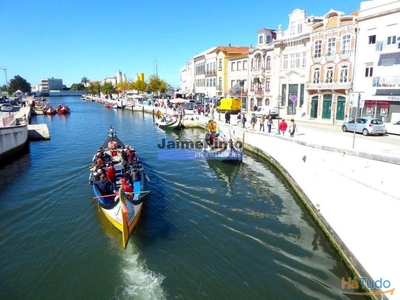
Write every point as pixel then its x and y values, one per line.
pixel 209 230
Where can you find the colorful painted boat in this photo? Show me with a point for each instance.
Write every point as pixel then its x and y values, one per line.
pixel 63 109
pixel 168 122
pixel 219 146
pixel 122 208
pixel 49 110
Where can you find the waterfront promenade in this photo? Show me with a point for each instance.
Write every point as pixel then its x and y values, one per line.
pixel 353 195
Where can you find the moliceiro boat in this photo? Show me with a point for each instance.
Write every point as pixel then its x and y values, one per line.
pixel 219 146
pixel 169 122
pixel 118 181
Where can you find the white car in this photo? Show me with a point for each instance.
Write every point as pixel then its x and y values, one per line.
pixel 393 128
pixel 267 110
pixel 6 107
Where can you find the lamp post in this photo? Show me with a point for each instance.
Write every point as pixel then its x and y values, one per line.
pixel 278 98
pixel 5 72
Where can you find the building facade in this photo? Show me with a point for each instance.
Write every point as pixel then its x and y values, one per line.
pixel 377 74
pixel 330 76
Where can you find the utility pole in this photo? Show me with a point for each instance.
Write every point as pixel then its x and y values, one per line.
pixel 5 72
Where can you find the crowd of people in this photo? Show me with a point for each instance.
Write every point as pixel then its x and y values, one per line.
pixel 105 174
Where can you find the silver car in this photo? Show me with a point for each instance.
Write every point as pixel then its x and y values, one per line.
pixel 365 125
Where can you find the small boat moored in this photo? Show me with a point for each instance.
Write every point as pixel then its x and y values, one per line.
pixel 218 146
pixel 168 122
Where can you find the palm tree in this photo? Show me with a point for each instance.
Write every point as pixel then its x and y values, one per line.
pixel 84 81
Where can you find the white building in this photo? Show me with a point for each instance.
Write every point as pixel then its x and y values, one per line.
pixel 377 71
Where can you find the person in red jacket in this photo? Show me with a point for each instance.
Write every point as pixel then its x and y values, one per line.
pixel 283 126
pixel 111 174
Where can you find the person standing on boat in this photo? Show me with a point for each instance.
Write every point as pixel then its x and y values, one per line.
pixel 111 175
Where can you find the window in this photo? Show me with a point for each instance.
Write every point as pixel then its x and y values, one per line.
pixel 239 65
pixel 292 61
pixel 258 62
pixel 329 75
pixel 292 28
pixel 220 63
pixel 300 28
pixel 260 39
pixel 304 60
pixel 346 46
pixel 267 84
pixel 369 71
pixel 372 39
pixel 245 65
pixel 268 63
pixel 316 75
pixel 232 84
pixel 220 83
pixel 391 40
pixel 268 39
pixel 331 46
pixel 317 48
pixel 344 73
pixel 297 60
pixel 285 62
pixel 233 66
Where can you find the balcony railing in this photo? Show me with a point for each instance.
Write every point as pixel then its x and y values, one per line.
pixel 211 73
pixel 335 85
pixel 257 71
pixel 344 54
pixel 316 58
pixel 330 56
pixel 386 82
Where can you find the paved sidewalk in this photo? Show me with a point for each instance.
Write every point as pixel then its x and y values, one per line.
pixel 355 198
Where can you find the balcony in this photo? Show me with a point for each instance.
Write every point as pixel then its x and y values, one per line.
pixel 330 56
pixel 234 92
pixel 335 85
pixel 344 54
pixel 316 58
pixel 257 71
pixel 259 91
pixel 386 82
pixel 211 73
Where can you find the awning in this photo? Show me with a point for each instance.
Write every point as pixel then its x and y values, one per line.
pixel 372 103
pixel 388 92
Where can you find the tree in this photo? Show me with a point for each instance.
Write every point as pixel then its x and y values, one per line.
pixel 85 81
pixel 138 85
pixel 108 89
pixel 77 87
pixel 95 88
pixel 19 83
pixel 4 88
pixel 123 86
pixel 156 85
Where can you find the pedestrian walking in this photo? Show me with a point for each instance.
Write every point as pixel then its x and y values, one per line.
pixel 244 120
pixel 270 123
pixel 292 128
pixel 228 117
pixel 253 120
pixel 283 126
pixel 262 121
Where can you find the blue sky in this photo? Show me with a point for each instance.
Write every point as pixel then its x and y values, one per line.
pixel 71 39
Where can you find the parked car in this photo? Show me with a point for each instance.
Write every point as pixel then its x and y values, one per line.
pixel 267 110
pixel 365 125
pixel 6 107
pixel 188 106
pixel 393 127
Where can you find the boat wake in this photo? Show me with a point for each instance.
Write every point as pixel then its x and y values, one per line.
pixel 138 281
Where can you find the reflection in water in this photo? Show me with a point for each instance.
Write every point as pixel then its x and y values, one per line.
pixel 226 173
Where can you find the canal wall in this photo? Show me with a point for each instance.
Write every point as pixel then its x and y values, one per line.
pixel 352 196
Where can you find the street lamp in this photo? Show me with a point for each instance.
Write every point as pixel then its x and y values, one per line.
pixel 5 72
pixel 278 98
